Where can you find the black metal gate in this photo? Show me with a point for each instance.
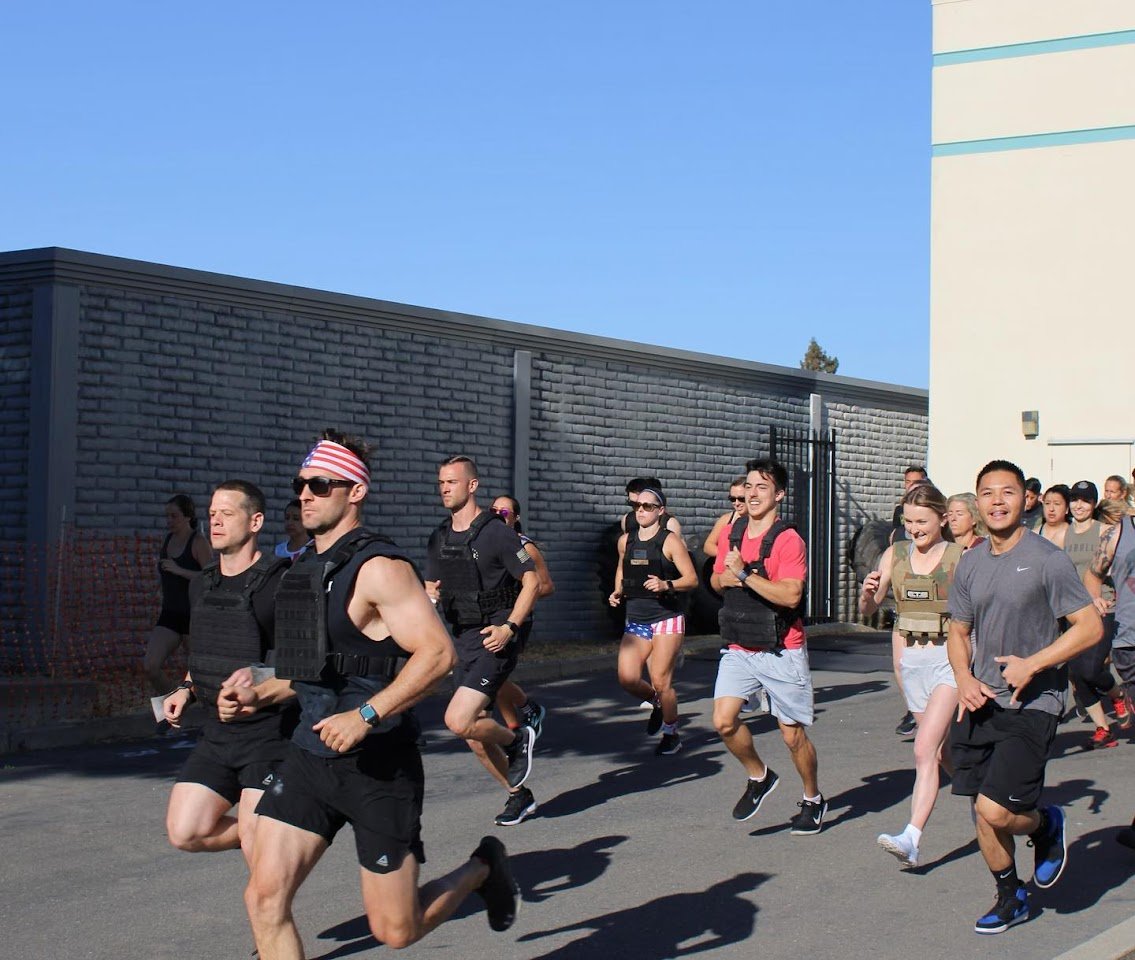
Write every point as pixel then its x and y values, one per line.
pixel 809 503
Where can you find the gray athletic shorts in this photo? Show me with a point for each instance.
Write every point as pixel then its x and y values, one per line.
pixel 923 669
pixel 784 676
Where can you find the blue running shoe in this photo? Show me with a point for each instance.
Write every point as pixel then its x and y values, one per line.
pixel 1050 850
pixel 1007 911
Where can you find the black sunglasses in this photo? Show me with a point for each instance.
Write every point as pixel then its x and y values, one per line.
pixel 320 486
pixel 737 499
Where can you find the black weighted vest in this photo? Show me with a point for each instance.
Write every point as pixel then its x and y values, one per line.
pixel 747 619
pixel 464 600
pixel 641 559
pixel 223 633
pixel 305 648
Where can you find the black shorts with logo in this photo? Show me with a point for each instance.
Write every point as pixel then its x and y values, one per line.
pixel 481 669
pixel 377 790
pixel 1002 754
pixel 233 757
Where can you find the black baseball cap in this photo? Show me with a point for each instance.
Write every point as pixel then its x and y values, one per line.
pixel 1084 490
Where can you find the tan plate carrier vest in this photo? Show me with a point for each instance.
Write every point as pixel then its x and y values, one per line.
pixel 921 598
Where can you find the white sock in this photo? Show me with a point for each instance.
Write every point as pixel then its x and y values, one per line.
pixel 761 778
pixel 913 833
pixel 818 798
pixel 670 727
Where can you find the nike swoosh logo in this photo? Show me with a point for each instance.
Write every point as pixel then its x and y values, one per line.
pixel 1013 799
pixel 1021 569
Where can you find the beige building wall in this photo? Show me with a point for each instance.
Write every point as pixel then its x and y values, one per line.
pixel 1033 238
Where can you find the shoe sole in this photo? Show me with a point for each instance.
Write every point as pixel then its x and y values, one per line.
pixel 1105 746
pixel 1063 863
pixel 669 753
pixel 797 832
pixel 896 851
pixel 521 817
pixel 502 862
pixel 764 796
pixel 528 768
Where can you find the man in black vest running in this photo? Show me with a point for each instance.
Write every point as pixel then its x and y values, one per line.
pixel 761 569
pixel 485 584
pixel 231 628
pixel 358 639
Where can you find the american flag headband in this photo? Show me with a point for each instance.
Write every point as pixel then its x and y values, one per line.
pixel 337 459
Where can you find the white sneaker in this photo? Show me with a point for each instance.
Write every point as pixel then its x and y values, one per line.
pixel 901 846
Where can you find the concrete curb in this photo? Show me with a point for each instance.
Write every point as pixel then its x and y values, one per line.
pixel 140 725
pixel 1118 943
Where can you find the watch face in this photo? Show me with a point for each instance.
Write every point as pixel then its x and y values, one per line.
pixel 369 714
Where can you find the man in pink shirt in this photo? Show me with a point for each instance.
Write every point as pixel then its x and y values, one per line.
pixel 760 570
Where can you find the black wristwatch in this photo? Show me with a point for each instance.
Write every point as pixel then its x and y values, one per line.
pixel 511 626
pixel 188 685
pixel 743 574
pixel 369 714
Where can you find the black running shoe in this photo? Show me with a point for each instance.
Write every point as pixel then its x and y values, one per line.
pixel 499 890
pixel 669 744
pixel 754 795
pixel 533 716
pixel 520 806
pixel 810 819
pixel 520 757
pixel 907 725
pixel 1007 911
pixel 654 724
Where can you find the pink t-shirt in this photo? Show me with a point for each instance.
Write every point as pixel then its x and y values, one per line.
pixel 788 561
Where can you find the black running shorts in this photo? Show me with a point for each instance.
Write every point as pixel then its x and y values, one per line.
pixel 1001 754
pixel 378 791
pixel 481 669
pixel 231 758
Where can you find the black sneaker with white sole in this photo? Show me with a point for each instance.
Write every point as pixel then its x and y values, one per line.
pixel 810 819
pixel 520 806
pixel 669 744
pixel 519 756
pixel 499 890
pixel 654 722
pixel 754 795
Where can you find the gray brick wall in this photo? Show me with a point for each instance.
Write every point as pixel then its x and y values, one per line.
pixel 15 388
pixel 185 379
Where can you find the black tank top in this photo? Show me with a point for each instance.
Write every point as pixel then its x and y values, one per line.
pixel 175 589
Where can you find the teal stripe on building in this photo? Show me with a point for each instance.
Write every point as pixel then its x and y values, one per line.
pixel 1033 141
pixel 1089 41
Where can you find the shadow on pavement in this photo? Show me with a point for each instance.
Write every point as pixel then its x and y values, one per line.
pixel 678 925
pixel 1096 865
pixel 879 792
pixel 541 875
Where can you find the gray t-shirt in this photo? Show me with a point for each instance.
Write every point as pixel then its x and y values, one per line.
pixel 1014 602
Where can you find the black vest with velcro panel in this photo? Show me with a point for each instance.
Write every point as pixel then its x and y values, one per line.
pixel 746 618
pixel 311 642
pixel 642 559
pixel 464 600
pixel 224 634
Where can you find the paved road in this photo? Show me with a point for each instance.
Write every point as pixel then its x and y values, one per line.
pixel 631 855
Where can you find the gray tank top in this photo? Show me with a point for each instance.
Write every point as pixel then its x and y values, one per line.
pixel 1123 576
pixel 1081 547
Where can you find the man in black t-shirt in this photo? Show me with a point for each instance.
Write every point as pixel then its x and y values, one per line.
pixel 233 606
pixel 485 585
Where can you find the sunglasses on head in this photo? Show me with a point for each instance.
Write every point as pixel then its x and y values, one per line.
pixel 320 486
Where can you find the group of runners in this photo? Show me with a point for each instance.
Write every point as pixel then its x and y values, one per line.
pixel 309 665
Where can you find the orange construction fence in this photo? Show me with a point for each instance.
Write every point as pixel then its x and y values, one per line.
pixel 74 620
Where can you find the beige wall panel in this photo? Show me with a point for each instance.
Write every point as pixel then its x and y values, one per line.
pixel 1030 250
pixel 1076 90
pixel 972 24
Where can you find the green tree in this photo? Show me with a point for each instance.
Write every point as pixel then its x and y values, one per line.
pixel 816 359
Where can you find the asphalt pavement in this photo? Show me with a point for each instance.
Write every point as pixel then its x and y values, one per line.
pixel 629 854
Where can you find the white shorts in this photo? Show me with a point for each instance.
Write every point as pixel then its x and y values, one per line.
pixel 924 668
pixel 785 677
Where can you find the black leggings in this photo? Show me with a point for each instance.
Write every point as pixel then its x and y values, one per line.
pixel 1090 673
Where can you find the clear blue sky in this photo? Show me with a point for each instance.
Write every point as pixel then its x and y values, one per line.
pixel 731 177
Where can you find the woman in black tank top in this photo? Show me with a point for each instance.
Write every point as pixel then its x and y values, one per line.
pixel 183 556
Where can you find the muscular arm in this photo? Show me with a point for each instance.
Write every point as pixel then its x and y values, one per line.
pixel 529 591
pixel 547 587
pixel 391 587
pixel 709 548
pixel 674 549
